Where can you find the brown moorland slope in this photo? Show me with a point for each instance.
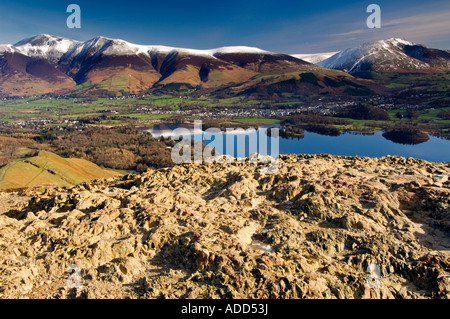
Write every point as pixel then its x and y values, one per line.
pixel 23 75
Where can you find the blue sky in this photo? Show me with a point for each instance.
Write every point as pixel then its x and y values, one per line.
pixel 276 25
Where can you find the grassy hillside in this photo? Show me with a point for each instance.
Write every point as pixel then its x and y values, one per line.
pixel 311 84
pixel 50 169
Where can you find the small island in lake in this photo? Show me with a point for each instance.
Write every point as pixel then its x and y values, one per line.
pixel 406 135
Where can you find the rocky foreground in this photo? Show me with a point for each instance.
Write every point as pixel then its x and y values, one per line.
pixel 226 231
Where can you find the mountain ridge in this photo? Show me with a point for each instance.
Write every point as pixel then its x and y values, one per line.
pixel 137 69
pixel 391 55
pixel 98 59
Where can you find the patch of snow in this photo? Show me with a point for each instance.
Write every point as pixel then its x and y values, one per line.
pixel 7 48
pixel 46 46
pixel 314 57
pixel 238 49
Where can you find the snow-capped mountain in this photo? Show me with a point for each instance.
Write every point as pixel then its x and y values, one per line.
pixel 47 63
pixel 100 58
pixel 55 48
pixel 384 56
pixel 7 48
pixel 46 46
pixel 314 58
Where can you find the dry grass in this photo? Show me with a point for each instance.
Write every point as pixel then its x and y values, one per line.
pixel 50 169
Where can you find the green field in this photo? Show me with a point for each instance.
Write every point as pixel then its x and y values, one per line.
pixel 256 120
pixel 111 111
pixel 418 84
pixel 75 108
pixel 396 85
pixel 145 116
pixel 431 114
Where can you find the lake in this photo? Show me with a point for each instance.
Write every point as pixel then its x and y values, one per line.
pixel 349 144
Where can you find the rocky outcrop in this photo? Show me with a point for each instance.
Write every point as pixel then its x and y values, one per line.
pixel 312 230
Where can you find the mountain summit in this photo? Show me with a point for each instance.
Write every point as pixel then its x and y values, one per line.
pixel 388 56
pixel 46 46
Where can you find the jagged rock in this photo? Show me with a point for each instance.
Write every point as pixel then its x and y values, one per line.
pixel 227 230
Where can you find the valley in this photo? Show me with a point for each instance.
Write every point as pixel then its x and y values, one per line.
pixel 52 114
pixel 111 132
pixel 115 82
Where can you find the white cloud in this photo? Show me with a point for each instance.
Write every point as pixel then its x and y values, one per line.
pixel 427 24
pixel 429 28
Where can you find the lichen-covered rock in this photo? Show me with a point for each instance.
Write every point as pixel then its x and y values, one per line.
pixel 318 228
